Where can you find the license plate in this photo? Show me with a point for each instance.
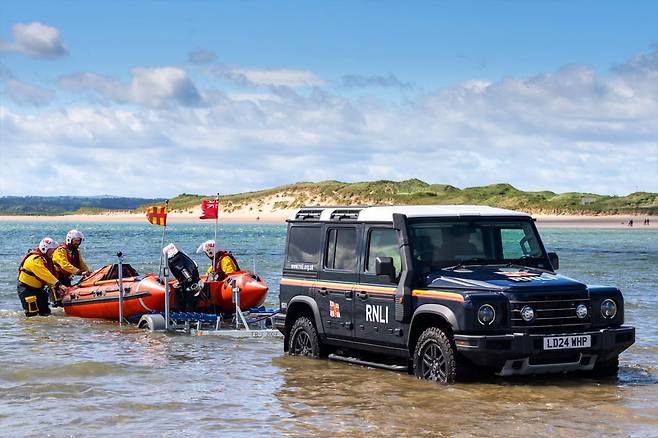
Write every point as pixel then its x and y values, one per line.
pixel 564 342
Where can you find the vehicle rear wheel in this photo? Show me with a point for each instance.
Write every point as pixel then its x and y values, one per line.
pixel 608 368
pixel 304 340
pixel 434 357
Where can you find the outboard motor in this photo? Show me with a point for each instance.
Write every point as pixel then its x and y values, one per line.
pixel 186 271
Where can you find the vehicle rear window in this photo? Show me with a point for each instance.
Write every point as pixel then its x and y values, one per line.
pixel 304 244
pixel 341 249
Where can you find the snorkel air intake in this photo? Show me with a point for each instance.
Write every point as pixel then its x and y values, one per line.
pixel 403 291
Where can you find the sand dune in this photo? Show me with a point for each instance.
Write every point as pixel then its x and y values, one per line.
pixel 265 213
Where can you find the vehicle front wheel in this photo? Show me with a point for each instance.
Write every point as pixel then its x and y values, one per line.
pixel 303 339
pixel 434 357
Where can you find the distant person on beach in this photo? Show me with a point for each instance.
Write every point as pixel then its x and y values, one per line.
pixel 225 262
pixel 68 260
pixel 35 274
pixel 630 223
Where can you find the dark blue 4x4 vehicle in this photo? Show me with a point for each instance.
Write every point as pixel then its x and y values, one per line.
pixel 439 290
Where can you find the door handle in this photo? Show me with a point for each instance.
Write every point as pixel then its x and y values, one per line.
pixel 323 291
pixel 362 295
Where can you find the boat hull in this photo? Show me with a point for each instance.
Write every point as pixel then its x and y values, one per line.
pixel 145 295
pixel 94 298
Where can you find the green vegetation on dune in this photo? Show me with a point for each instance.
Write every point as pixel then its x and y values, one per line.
pixel 415 191
pixel 383 192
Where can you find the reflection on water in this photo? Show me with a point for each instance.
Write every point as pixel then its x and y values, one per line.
pixel 71 377
pixel 334 397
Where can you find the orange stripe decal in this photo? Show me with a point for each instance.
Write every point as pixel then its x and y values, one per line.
pixel 452 296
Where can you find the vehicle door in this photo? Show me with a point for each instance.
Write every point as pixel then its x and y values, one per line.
pixel 374 296
pixel 339 274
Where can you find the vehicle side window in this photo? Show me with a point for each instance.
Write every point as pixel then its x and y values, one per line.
pixel 383 243
pixel 341 249
pixel 516 244
pixel 304 244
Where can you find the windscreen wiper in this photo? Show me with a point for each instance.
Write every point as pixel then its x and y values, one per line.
pixel 462 264
pixel 519 261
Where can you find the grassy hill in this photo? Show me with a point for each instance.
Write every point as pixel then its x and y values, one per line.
pixel 59 205
pixel 414 191
pixel 381 192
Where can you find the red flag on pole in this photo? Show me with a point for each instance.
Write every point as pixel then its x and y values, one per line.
pixel 157 215
pixel 209 209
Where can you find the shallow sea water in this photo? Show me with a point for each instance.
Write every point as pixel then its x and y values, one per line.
pixel 63 376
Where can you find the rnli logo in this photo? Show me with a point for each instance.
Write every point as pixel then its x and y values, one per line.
pixel 375 313
pixel 525 276
pixel 334 309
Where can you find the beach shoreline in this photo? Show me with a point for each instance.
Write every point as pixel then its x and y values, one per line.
pixel 280 216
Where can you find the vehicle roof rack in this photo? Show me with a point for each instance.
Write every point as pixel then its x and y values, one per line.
pixel 345 214
pixel 308 213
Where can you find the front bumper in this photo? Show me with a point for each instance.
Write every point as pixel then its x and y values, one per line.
pixel 523 353
pixel 280 322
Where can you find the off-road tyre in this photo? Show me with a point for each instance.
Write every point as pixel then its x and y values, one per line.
pixel 435 357
pixel 608 368
pixel 304 339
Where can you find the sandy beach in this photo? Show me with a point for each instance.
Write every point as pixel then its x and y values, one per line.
pixel 280 216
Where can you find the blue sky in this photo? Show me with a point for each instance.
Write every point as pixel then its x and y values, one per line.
pixel 550 95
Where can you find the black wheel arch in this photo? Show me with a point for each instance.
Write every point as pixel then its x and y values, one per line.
pixel 431 315
pixel 302 306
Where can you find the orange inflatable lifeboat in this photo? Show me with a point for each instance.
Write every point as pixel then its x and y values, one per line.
pixel 97 296
pixel 219 294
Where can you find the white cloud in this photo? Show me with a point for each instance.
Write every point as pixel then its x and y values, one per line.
pixel 27 94
pixel 268 77
pixel 573 129
pixel 36 40
pixel 148 86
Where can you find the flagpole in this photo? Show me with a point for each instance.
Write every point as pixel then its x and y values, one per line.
pixel 216 220
pixel 164 228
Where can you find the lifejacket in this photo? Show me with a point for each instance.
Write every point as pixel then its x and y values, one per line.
pixel 46 262
pixel 218 262
pixel 72 254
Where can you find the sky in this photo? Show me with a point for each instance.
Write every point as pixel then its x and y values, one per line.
pixel 158 98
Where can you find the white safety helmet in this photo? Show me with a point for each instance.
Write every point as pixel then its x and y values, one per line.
pixel 72 235
pixel 208 247
pixel 46 244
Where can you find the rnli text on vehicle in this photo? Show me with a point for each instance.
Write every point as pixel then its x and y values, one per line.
pixel 376 313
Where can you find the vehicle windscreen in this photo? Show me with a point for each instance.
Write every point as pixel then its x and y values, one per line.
pixel 438 244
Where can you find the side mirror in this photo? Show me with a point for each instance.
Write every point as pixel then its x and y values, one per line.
pixel 555 260
pixel 384 266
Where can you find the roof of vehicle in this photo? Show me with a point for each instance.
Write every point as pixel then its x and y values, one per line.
pixel 385 213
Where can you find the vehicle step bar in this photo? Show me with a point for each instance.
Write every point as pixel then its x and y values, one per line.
pixel 356 361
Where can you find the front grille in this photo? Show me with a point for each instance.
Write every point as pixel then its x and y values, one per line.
pixel 553 313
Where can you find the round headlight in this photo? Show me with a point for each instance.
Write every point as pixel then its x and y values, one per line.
pixel 527 313
pixel 608 308
pixel 486 314
pixel 581 311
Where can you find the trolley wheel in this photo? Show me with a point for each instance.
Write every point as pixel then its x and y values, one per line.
pixel 152 322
